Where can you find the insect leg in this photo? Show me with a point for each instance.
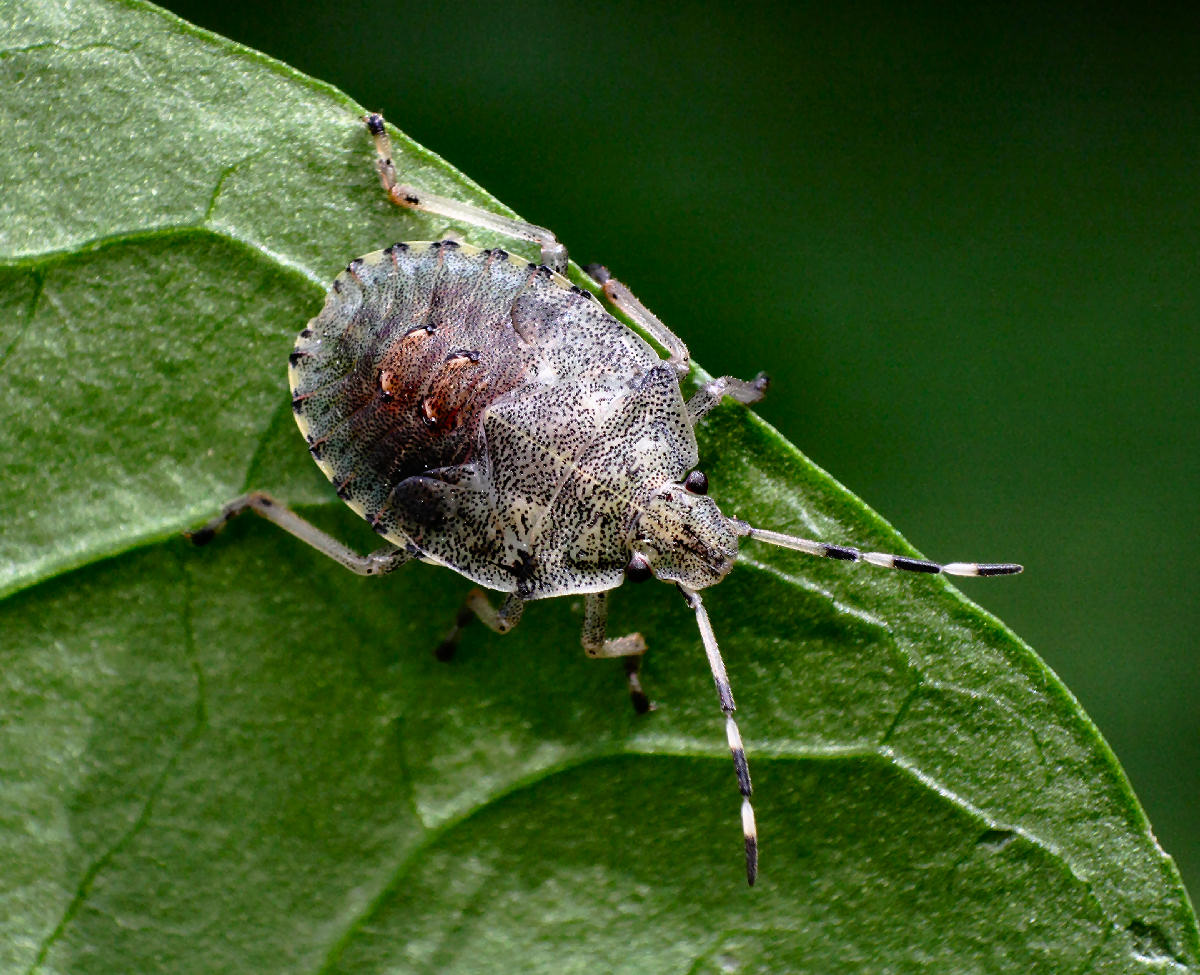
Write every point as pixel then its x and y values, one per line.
pixel 845 553
pixel 376 563
pixel 646 320
pixel 630 647
pixel 709 395
pixel 554 254
pixel 680 359
pixel 476 606
pixel 717 665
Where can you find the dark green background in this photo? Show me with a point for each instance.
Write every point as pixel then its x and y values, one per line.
pixel 965 244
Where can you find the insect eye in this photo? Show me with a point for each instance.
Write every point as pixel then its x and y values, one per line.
pixel 638 569
pixel 696 482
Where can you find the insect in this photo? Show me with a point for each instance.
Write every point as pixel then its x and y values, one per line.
pixel 483 413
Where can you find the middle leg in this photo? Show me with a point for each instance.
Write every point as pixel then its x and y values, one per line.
pixel 477 606
pixel 680 360
pixel 622 298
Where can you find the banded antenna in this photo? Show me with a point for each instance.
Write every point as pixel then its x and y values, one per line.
pixel 717 665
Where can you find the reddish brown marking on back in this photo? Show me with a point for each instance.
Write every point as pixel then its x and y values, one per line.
pixel 455 392
pixel 429 411
pixel 417 397
pixel 414 334
pixel 389 384
pixel 462 359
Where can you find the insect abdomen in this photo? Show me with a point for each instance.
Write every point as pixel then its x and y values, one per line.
pixel 390 379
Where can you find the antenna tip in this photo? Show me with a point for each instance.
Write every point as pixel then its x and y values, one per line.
pixel 750 830
pixel 982 569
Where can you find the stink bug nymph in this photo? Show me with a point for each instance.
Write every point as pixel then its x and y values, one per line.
pixel 485 414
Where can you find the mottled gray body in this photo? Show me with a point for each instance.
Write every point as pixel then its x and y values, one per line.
pixel 483 412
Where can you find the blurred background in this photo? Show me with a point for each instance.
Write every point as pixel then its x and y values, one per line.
pixel 965 243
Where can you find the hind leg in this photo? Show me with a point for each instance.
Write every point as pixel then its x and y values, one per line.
pixel 554 254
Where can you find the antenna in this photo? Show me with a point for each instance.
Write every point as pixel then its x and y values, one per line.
pixel 717 665
pixel 883 560
pixel 725 694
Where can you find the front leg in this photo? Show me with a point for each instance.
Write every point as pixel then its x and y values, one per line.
pixel 630 647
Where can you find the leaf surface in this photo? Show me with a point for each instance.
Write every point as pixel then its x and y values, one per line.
pixel 243 758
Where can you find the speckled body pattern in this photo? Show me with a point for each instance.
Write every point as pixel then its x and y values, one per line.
pixel 487 415
pixel 483 413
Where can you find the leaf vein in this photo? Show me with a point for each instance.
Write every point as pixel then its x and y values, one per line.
pixel 39 285
pixel 189 738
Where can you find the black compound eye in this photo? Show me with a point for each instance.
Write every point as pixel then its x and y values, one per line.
pixel 638 569
pixel 696 482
